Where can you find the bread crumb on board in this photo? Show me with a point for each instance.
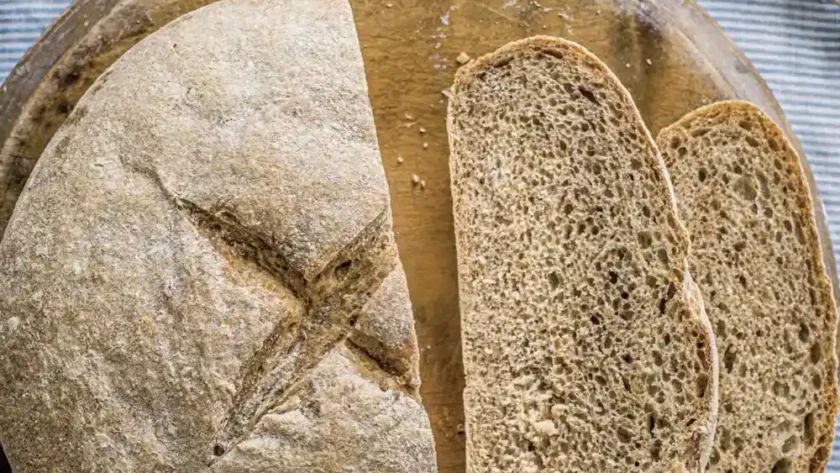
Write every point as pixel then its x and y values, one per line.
pixel 415 179
pixel 422 184
pixel 425 145
pixel 648 61
pixel 463 58
pixel 400 160
pixel 422 130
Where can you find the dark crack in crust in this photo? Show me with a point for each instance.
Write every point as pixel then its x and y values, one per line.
pixel 333 300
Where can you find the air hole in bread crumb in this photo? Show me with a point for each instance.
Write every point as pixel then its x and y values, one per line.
pixel 624 435
pixel 790 444
pixel 662 254
pixel 218 450
pixel 780 389
pixel 751 141
pixel 800 235
pixel 701 385
pixel 764 185
pixel 702 174
pixel 788 226
pixel 626 384
pixel 553 279
pixel 552 53
pixel 588 94
pixel 729 358
pixel 740 246
pixel 782 466
pixel 645 239
pixel 746 188
pixel 808 428
pixel 699 132
pixel 714 458
pixel 721 329
pixel 657 358
pixel 745 124
pixel 503 62
pixel 773 145
pixel 804 332
pixel 816 353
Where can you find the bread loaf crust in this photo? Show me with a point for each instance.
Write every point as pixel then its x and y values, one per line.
pixel 513 185
pixel 201 274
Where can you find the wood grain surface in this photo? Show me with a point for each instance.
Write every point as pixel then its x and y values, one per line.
pixel 668 53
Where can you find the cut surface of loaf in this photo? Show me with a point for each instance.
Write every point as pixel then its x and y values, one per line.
pixel 585 343
pixel 201 274
pixel 756 257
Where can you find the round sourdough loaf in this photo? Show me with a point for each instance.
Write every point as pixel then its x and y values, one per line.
pixel 201 274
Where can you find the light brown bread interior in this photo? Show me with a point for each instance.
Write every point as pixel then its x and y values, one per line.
pixel 585 343
pixel 756 256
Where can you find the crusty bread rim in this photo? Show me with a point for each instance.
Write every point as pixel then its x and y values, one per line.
pixel 703 440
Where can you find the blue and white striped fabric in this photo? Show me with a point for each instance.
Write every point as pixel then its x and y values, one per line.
pixel 795 44
pixel 21 22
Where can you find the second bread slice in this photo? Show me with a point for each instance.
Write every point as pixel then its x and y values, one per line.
pixel 586 347
pixel 757 257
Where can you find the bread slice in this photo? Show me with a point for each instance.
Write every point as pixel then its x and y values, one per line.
pixel 586 347
pixel 757 258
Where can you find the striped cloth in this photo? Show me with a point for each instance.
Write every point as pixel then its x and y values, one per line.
pixel 795 44
pixel 21 22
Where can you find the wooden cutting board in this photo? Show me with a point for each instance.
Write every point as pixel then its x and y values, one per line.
pixel 670 55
